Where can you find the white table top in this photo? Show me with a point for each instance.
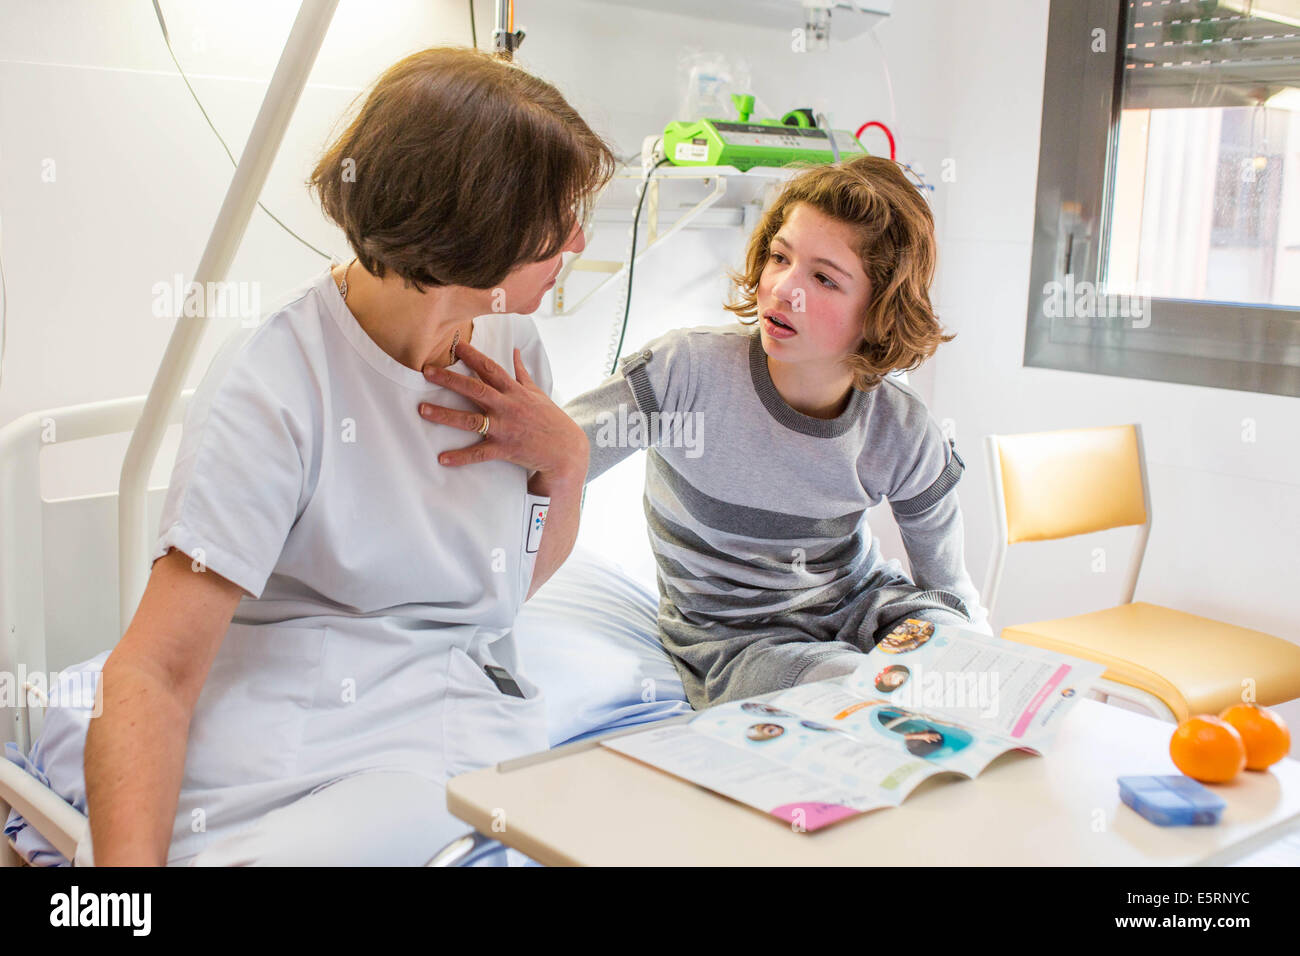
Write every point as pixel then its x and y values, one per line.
pixel 595 807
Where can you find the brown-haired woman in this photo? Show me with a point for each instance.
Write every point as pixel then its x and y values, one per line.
pixel 770 444
pixel 326 632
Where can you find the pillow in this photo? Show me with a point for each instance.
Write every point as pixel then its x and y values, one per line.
pixel 589 638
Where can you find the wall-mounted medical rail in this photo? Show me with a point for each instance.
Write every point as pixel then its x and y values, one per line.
pixel 719 176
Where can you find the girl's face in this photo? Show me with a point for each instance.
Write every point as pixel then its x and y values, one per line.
pixel 523 289
pixel 812 293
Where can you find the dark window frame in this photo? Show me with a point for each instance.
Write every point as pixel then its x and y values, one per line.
pixel 1194 342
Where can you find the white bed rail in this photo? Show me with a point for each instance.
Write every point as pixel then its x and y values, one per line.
pixel 23 588
pixel 53 818
pixel 22 531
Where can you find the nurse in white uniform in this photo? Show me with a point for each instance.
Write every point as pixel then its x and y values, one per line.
pixel 326 634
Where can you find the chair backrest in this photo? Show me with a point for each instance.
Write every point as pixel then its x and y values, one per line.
pixel 1063 483
pixel 1049 485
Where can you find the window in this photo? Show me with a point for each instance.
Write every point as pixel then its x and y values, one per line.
pixel 1167 226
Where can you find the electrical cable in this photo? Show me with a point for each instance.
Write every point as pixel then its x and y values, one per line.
pixel 889 83
pixel 616 348
pixel 473 30
pixel 919 182
pixel 167 40
pixel 893 153
pixel 917 179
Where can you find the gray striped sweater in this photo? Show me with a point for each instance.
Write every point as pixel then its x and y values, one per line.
pixel 755 510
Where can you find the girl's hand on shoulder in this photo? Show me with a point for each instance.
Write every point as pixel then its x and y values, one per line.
pixel 524 426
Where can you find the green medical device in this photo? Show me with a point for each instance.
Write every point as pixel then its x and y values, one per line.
pixel 793 138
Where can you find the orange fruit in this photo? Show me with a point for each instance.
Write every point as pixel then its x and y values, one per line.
pixel 1264 733
pixel 1208 749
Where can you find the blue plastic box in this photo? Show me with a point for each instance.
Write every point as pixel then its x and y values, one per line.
pixel 1171 801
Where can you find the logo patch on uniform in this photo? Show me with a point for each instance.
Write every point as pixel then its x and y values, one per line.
pixel 536 524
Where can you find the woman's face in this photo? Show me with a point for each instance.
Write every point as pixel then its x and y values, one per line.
pixel 814 280
pixel 523 288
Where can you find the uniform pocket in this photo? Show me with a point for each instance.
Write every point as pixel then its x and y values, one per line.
pixel 483 726
pixel 248 722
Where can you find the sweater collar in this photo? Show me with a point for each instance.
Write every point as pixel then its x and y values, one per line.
pixel 789 417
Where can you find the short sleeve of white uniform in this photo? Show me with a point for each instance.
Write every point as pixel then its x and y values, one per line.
pixel 238 480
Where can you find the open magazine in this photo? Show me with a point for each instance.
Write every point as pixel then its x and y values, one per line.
pixel 927 699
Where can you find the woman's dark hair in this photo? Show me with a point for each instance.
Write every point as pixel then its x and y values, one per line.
pixel 458 167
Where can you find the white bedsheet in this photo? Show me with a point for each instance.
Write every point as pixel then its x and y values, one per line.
pixel 589 639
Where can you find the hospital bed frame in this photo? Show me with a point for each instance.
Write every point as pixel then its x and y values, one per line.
pixel 58 588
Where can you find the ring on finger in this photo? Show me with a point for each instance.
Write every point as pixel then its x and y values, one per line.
pixel 483 429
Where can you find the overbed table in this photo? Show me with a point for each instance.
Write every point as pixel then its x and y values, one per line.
pixel 586 805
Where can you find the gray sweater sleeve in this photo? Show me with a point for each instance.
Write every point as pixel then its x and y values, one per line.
pixel 928 513
pixel 935 543
pixel 617 414
pixel 592 410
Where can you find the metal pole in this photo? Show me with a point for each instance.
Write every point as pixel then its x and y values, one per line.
pixel 505 38
pixel 135 537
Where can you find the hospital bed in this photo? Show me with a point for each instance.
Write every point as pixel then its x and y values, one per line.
pixel 588 637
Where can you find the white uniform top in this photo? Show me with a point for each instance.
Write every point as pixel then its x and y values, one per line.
pixel 382 581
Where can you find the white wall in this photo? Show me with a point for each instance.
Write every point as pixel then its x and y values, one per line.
pixel 140 177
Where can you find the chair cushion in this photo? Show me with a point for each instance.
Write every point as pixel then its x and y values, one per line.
pixel 1194 664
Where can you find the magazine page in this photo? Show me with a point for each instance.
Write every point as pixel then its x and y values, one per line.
pixel 1017 692
pixel 859 765
pixel 927 699
pixel 876 722
pixel 802 771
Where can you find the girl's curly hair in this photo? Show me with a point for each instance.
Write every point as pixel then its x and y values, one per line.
pixel 897 248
